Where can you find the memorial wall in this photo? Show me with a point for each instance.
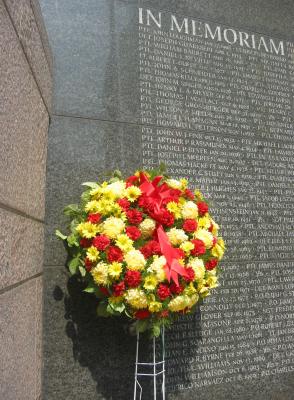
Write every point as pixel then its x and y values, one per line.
pixel 197 86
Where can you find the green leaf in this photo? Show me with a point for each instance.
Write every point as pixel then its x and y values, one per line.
pixel 73 265
pixel 82 270
pixel 102 310
pixel 72 240
pixel 119 307
pixel 60 235
pixel 156 330
pixel 141 325
pixel 92 185
pixel 72 210
pixel 91 288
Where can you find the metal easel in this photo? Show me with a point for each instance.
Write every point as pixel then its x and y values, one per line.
pixel 150 369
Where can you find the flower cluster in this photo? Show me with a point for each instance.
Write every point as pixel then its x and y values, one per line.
pixel 146 246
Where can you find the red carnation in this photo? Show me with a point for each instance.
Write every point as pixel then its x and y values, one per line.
pixel 114 253
pixel 94 218
pixel 151 248
pixel 85 242
pixel 88 264
pixel 190 275
pixel 163 292
pixel 133 232
pixel 199 247
pixel 134 216
pixel 101 242
pixel 118 289
pixel 169 199
pixel 175 192
pixel 211 264
pixel 214 241
pixel 124 204
pixel 210 228
pixel 147 204
pixel 166 218
pixel 190 225
pixel 131 180
pixel 176 289
pixel 142 314
pixel 202 207
pixel 189 194
pixel 133 278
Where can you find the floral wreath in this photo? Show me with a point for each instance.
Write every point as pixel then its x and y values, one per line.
pixel 146 246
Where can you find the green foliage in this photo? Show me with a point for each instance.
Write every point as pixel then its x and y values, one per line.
pixel 72 210
pixel 60 235
pixel 73 265
pixel 91 185
pixel 119 307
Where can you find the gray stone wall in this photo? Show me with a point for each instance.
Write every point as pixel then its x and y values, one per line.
pixel 25 103
pixel 97 126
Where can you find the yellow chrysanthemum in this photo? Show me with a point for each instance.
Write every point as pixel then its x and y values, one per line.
pixel 87 230
pixel 93 206
pixel 115 270
pixel 135 260
pixel 106 206
pixel 218 249
pixel 174 208
pixel 96 193
pixel 112 227
pixel 150 282
pixel 136 298
pixel 92 253
pixel 190 289
pixel 204 222
pixel 215 227
pixel 187 247
pixel 192 300
pixel 198 194
pixel 203 290
pixel 132 193
pixel 124 243
pixel 147 227
pixel 155 306
pixel 184 183
pixel 179 303
pixel 211 281
pixel 100 273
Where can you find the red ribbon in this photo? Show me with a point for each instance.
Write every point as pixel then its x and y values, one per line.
pixel 157 194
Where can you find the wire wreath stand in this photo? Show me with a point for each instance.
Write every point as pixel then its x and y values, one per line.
pixel 154 370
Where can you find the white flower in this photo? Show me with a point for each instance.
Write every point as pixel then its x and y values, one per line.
pixel 205 236
pixel 189 210
pixel 177 236
pixel 135 260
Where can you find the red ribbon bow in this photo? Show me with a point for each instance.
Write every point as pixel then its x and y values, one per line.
pixel 157 194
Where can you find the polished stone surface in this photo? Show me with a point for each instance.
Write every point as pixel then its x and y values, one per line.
pixel 84 357
pixel 24 125
pixel 20 316
pixel 21 248
pixel 95 75
pixel 24 21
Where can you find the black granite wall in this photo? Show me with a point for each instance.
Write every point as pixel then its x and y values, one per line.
pixel 226 122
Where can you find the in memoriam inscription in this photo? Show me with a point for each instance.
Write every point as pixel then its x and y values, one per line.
pixel 217 107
